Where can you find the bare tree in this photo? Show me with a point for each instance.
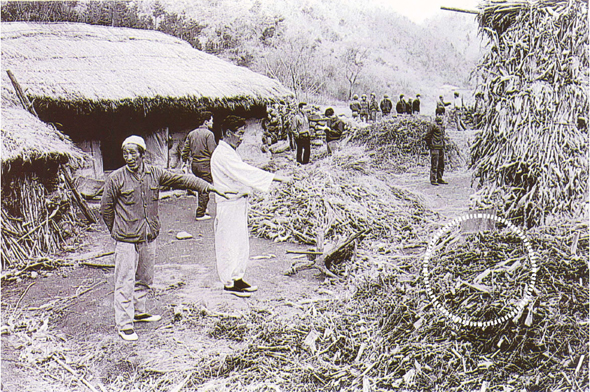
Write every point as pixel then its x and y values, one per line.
pixel 353 60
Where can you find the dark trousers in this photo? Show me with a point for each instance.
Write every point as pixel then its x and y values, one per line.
pixel 437 164
pixel 202 171
pixel 303 149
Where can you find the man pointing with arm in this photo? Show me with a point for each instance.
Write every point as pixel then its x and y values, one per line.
pixel 129 208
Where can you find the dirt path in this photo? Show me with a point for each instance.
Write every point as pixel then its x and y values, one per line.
pixel 186 279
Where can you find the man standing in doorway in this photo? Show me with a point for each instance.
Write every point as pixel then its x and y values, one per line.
pixel 435 139
pixel 129 208
pixel 231 222
pixel 199 145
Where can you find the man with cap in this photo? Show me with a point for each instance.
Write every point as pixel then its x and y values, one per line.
pixel 364 111
pixel 435 140
pixel 129 208
pixel 416 105
pixel 373 108
pixel 355 106
pixel 400 106
pixel 386 105
pixel 199 145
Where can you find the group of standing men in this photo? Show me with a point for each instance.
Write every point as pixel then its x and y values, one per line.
pixel 285 122
pixel 129 208
pixel 369 110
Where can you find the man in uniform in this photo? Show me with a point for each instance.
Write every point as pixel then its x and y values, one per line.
pixel 435 140
pixel 386 105
pixel 416 105
pixel 129 209
pixel 364 110
pixel 199 145
pixel 400 107
pixel 373 108
pixel 355 106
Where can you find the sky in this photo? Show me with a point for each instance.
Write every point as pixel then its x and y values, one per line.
pixel 419 10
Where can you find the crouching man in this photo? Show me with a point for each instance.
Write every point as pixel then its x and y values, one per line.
pixel 129 208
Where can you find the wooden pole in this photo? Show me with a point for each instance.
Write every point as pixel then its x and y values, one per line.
pixel 459 10
pixel 21 94
pixel 81 203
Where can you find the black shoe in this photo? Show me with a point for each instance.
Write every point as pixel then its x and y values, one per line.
pixel 240 284
pixel 441 181
pixel 434 183
pixel 237 292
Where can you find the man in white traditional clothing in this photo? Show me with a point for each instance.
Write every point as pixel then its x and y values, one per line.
pixel 230 173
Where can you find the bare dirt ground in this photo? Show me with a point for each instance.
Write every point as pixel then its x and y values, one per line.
pixel 76 302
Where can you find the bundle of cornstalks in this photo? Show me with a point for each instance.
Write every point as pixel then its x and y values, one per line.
pixel 332 198
pixel 531 155
pixel 389 336
pixel 34 222
pixel 398 143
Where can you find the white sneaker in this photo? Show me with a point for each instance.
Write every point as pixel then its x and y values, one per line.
pixel 128 334
pixel 204 217
pixel 147 317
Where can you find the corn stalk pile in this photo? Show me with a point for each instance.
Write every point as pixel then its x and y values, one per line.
pixel 397 144
pixel 531 156
pixel 35 223
pixel 389 336
pixel 481 276
pixel 333 198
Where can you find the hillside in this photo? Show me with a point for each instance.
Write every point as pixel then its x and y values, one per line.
pixel 317 47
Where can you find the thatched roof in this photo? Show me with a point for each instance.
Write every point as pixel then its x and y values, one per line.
pixel 531 155
pixel 26 139
pixel 74 63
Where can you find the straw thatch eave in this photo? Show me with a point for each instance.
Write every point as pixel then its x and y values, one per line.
pixel 96 66
pixel 26 140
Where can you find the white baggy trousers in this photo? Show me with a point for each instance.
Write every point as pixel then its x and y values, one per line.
pixel 232 246
pixel 134 274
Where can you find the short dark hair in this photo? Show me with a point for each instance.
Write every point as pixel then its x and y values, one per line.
pixel 206 115
pixel 329 112
pixel 232 123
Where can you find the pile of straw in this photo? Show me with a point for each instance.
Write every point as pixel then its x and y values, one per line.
pixel 531 155
pixel 334 198
pixel 397 144
pixel 389 336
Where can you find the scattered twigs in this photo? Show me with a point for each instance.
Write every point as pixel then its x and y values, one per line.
pixel 62 303
pixel 20 299
pixel 76 376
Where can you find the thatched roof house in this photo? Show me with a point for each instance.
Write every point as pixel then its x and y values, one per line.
pixel 531 157
pixel 98 83
pixel 28 142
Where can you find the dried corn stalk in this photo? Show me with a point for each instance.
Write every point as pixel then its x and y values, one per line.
pixel 531 156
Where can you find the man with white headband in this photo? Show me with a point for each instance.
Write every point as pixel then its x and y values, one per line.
pixel 129 208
